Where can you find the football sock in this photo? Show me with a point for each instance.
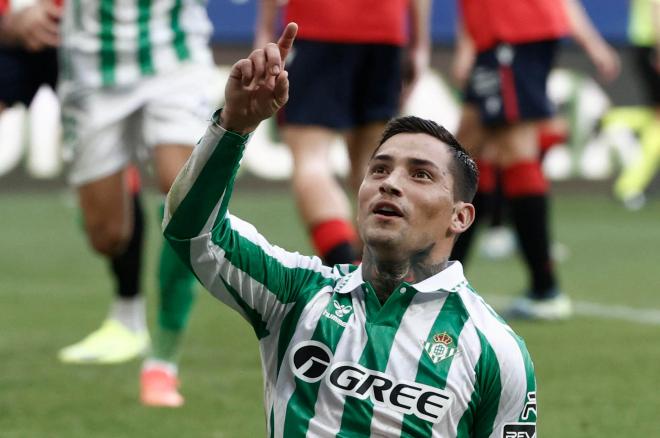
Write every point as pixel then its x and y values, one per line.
pixel 127 267
pixel 636 177
pixel 483 204
pixel 334 241
pixel 526 189
pixel 130 312
pixel 169 367
pixel 176 285
pixel 498 204
pixel 549 138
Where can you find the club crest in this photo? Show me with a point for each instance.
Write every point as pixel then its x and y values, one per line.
pixel 442 347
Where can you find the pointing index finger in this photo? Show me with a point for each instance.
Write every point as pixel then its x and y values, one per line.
pixel 286 39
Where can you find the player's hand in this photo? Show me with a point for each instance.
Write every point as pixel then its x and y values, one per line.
pixel 461 66
pixel 655 60
pixel 606 61
pixel 417 63
pixel 258 86
pixel 36 27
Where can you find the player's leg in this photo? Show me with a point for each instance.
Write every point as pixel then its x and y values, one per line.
pixel 375 99
pixel 318 109
pixel 173 120
pixel 526 190
pixel 322 203
pixel 126 267
pixel 633 181
pixel 471 135
pixel 159 378
pixel 108 219
pixel 510 107
pixel 630 185
pixel 361 142
pixel 98 171
pixel 376 77
pixel 524 78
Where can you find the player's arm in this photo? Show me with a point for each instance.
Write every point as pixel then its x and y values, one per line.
pixel 419 46
pixel 34 27
pixel 233 261
pixel 464 56
pixel 655 5
pixel 266 22
pixel 506 384
pixel 603 56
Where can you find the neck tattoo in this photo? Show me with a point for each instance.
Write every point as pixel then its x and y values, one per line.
pixel 386 276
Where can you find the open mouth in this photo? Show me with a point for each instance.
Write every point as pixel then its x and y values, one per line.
pixel 387 209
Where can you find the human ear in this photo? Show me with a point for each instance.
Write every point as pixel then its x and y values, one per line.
pixel 462 217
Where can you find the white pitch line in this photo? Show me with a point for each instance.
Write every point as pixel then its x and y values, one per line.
pixel 597 310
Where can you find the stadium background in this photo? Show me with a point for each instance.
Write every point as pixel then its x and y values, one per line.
pixel 598 373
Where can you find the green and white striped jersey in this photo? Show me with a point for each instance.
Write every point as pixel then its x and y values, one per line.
pixel 116 42
pixel 434 360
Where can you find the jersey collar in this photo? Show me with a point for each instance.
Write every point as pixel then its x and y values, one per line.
pixel 449 279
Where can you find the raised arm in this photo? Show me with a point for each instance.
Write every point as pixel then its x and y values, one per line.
pixel 602 55
pixel 266 22
pixel 257 87
pixel 655 10
pixel 464 57
pixel 229 257
pixel 419 47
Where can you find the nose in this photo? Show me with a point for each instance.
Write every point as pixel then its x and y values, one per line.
pixel 390 185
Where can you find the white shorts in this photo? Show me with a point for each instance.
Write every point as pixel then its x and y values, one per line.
pixel 106 128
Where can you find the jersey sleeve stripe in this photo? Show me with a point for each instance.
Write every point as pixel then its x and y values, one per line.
pixel 510 359
pixel 218 279
pixel 200 194
pixel 203 184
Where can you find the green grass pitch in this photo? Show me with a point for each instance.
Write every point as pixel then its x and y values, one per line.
pixel 597 377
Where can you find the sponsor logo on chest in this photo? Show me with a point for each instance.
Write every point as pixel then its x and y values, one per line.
pixel 311 361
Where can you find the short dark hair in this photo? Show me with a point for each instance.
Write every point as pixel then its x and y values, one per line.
pixel 463 169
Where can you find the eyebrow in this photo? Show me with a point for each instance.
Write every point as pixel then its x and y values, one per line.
pixel 414 161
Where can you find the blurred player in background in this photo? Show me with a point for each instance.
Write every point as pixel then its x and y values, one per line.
pixel 28 59
pixel 347 71
pixel 644 30
pixel 515 45
pixel 130 88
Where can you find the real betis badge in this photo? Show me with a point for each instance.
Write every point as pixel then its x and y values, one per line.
pixel 441 348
